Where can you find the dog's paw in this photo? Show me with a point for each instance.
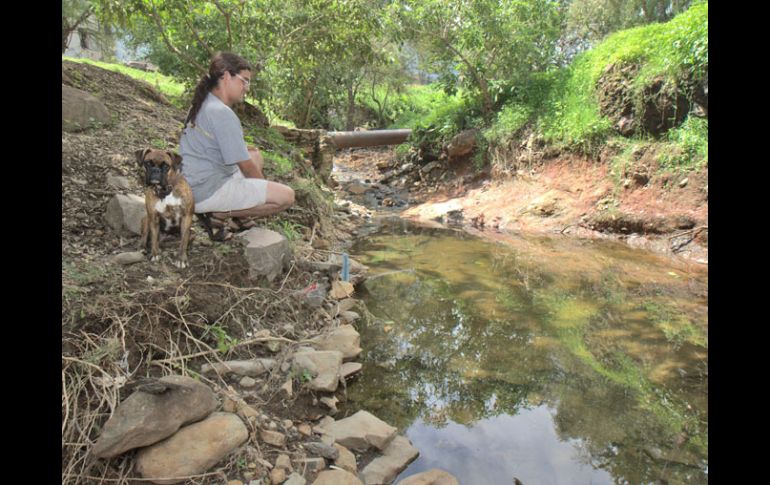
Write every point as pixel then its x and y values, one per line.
pixel 181 264
pixel 155 258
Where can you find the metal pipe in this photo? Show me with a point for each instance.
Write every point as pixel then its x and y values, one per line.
pixel 347 139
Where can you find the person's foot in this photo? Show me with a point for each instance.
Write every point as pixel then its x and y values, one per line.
pixel 239 224
pixel 216 228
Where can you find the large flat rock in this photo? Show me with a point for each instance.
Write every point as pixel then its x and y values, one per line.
pixel 125 213
pixel 144 418
pixel 395 458
pixel 193 449
pixel 361 431
pixel 336 477
pixel 323 365
pixel 250 368
pixel 434 476
pixel 80 110
pixel 344 339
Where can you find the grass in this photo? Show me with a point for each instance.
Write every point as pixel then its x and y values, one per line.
pixel 672 50
pixel 165 84
pixel 561 105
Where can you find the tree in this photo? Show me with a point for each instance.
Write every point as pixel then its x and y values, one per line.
pixel 483 45
pixel 74 14
pixel 591 20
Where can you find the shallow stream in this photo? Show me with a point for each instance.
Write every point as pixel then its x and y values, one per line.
pixel 548 360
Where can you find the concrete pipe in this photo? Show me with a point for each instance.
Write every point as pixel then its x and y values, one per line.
pixel 348 139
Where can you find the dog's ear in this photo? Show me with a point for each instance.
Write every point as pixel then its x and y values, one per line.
pixel 176 159
pixel 140 154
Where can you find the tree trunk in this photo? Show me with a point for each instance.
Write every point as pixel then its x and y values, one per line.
pixel 351 108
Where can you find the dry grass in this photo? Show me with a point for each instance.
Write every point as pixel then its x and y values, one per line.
pixel 124 329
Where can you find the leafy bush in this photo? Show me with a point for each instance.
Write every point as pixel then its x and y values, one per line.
pixel 690 146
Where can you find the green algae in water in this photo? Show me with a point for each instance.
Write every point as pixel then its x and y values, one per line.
pixel 477 331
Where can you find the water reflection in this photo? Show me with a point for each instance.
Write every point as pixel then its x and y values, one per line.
pixel 601 349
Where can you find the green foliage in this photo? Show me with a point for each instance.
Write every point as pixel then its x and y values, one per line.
pixel 510 120
pixel 481 46
pixel 688 147
pixel 593 19
pixel 675 50
pixel 165 84
pixel 225 342
pixel 676 327
pixel 290 230
pixel 277 163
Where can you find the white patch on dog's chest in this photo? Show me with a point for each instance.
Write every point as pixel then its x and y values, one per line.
pixel 170 208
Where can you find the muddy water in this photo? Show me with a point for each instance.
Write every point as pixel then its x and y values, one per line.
pixel 554 361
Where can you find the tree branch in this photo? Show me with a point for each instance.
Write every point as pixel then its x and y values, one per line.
pixel 171 46
pixel 227 16
pixel 195 33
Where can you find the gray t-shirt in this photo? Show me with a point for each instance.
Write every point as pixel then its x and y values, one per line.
pixel 211 149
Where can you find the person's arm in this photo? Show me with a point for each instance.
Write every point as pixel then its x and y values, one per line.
pixel 252 168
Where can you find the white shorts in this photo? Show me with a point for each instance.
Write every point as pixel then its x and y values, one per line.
pixel 236 194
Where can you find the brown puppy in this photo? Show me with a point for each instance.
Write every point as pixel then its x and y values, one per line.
pixel 168 199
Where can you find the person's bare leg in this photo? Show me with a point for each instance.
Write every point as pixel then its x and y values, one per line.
pixel 279 198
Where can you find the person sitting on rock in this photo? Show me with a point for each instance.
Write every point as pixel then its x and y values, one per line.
pixel 224 173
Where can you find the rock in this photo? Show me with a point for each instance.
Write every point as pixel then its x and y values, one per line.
pixel 683 183
pixel 625 126
pixel 430 167
pixel 193 449
pixel 350 368
pixel 462 144
pixel 125 213
pixel 295 479
pixel 319 243
pixel 336 477
pixel 310 464
pixel 331 403
pixel 250 368
pixel 346 459
pixel 118 182
pixel 321 449
pixel 362 431
pixel 346 305
pixel 395 459
pixel 283 461
pixel 266 251
pixel 131 257
pixel 345 339
pixel 349 317
pixel 341 289
pixel 305 429
pixel 287 387
pixel 80 110
pixel 247 382
pixel 144 418
pixel 357 187
pixel 274 438
pixel 324 366
pixel 434 476
pixel 247 412
pixel 277 475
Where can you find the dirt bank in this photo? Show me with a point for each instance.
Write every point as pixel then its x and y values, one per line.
pixel 566 195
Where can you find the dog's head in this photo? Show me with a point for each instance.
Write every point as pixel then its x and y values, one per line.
pixel 159 166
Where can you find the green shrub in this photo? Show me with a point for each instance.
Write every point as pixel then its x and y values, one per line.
pixel 689 146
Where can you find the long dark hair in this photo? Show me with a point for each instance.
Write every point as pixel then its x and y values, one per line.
pixel 221 62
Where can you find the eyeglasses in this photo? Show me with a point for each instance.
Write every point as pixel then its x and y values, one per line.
pixel 246 82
